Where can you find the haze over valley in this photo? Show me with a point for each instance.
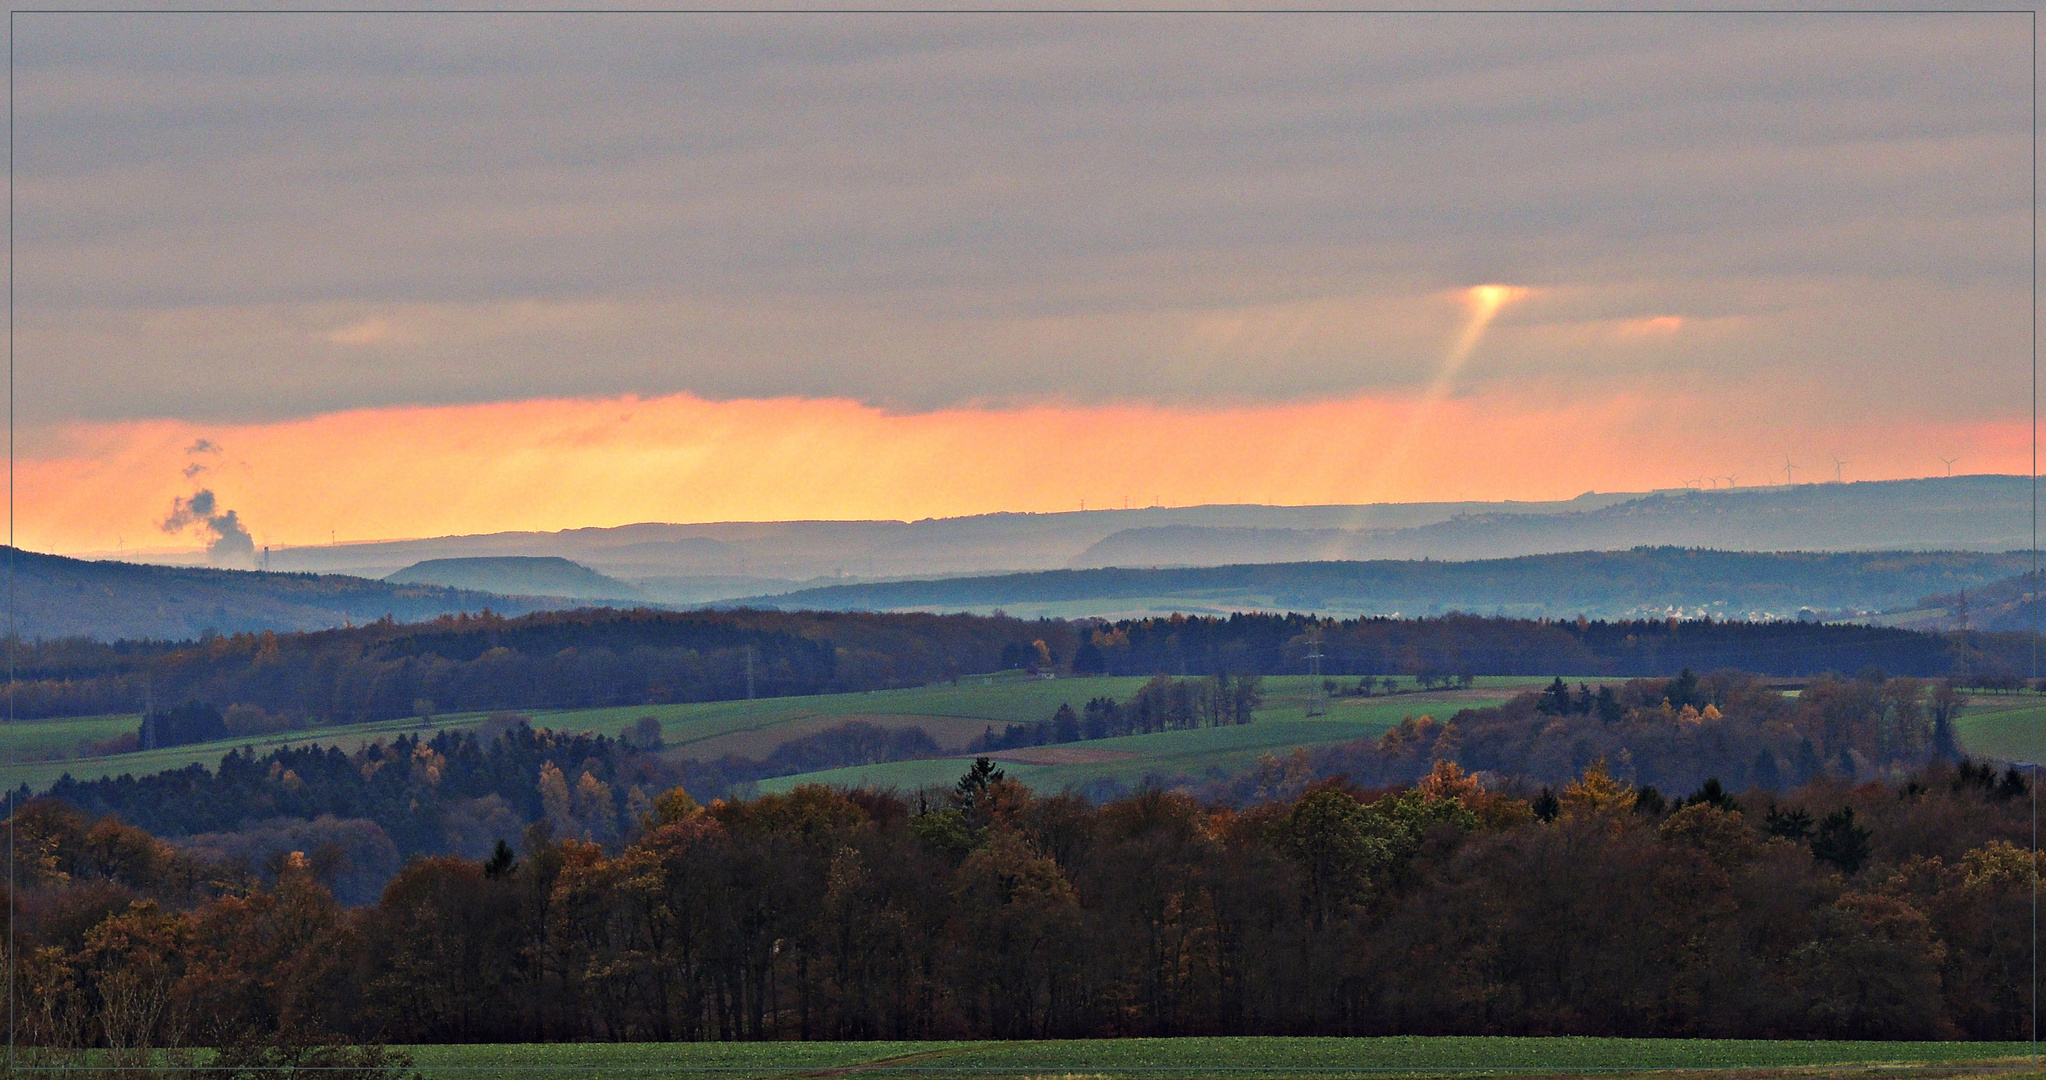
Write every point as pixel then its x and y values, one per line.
pixel 1335 560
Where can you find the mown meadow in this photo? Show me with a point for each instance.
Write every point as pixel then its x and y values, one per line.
pixel 1249 1058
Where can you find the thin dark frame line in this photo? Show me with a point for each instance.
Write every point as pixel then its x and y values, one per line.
pixel 11 898
pixel 1024 11
pixel 1326 1070
pixel 11 608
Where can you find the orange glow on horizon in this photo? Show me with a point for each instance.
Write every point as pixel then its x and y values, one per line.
pixel 555 464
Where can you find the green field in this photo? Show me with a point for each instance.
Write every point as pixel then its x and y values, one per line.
pixel 37 752
pixel 2008 727
pixel 57 740
pixel 1280 724
pixel 1246 1058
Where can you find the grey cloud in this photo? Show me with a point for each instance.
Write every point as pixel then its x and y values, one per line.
pixel 245 217
pixel 229 542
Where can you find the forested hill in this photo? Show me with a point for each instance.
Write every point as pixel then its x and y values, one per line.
pixel 57 597
pixel 612 658
pixel 1641 583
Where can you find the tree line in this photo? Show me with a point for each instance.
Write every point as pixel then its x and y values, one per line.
pixel 1892 908
pixel 606 658
pixel 1440 648
pixel 581 659
pixel 1161 704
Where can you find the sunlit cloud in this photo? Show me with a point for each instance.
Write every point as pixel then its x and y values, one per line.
pixel 1656 326
pixel 365 333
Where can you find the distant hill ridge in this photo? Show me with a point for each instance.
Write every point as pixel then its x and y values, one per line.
pixel 1965 513
pixel 699 563
pixel 1640 583
pixel 59 597
pixel 517 575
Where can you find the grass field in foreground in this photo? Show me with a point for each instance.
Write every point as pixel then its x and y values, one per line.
pixel 1244 1058
pixel 952 714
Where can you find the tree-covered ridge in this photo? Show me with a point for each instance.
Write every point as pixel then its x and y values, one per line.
pixel 587 659
pixel 1670 734
pixel 1650 581
pixel 55 596
pixel 1469 644
pixel 484 663
pixel 455 791
pixel 1894 909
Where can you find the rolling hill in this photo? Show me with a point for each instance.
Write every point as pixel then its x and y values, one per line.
pixel 59 597
pixel 517 575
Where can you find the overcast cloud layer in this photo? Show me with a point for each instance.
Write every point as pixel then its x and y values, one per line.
pixel 237 218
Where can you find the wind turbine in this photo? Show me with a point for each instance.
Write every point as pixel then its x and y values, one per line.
pixel 1837 463
pixel 1950 464
pixel 1787 467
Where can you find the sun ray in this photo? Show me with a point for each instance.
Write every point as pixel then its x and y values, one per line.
pixel 1483 304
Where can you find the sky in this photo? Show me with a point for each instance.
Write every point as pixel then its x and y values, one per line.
pixel 370 276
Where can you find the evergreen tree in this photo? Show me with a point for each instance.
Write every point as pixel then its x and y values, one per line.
pixel 1065 724
pixel 1841 842
pixel 1806 766
pixel 501 861
pixel 1766 774
pixel 1713 794
pixel 1683 690
pixel 1791 824
pixel 972 787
